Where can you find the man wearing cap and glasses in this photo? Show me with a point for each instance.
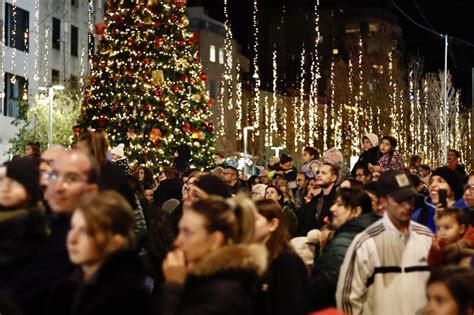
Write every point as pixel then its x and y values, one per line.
pixel 385 269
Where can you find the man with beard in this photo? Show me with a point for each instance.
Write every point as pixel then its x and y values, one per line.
pixel 316 213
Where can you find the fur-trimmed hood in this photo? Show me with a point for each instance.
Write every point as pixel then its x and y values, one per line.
pixel 233 257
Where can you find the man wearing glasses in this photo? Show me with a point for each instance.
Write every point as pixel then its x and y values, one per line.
pixel 231 177
pixel 74 175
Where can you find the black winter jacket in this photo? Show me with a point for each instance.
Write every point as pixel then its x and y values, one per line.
pixel 224 282
pixel 117 288
pixel 326 267
pixel 285 286
pixel 370 156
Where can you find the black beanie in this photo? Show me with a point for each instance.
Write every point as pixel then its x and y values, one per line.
pixel 213 185
pixel 26 172
pixel 285 158
pixel 452 178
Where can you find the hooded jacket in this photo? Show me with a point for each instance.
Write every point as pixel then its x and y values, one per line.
pixel 369 156
pixel 224 282
pixel 326 267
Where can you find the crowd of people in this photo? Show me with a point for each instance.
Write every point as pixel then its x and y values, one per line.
pixel 84 232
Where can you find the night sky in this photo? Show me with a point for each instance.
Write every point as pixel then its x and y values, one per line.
pixel 451 17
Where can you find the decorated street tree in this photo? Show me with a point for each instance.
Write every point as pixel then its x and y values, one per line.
pixel 146 88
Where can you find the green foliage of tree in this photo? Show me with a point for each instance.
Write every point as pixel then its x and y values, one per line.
pixel 147 89
pixel 33 120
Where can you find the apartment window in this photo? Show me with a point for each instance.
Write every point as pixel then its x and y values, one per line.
pixel 55 76
pixel 56 33
pixel 212 53
pixel 373 27
pixel 16 91
pixel 352 28
pixel 221 56
pixel 74 3
pixel 213 89
pixel 74 40
pixel 16 20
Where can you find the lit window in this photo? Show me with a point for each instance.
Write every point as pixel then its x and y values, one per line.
pixel 373 27
pixel 335 51
pixel 352 28
pixel 212 53
pixel 221 56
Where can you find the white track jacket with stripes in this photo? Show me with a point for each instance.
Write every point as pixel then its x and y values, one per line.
pixel 385 271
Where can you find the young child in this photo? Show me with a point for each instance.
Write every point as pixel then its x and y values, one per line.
pixel 22 218
pixel 451 225
pixel 119 159
pixel 387 157
pixel 311 164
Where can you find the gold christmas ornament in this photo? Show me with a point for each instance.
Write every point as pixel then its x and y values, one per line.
pixel 196 97
pixel 157 77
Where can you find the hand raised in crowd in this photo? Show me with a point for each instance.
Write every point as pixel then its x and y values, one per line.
pixel 174 267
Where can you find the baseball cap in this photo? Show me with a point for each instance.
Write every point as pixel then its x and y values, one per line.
pixel 396 184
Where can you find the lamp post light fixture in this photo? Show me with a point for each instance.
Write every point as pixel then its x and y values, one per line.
pixel 50 90
pixel 277 150
pixel 246 130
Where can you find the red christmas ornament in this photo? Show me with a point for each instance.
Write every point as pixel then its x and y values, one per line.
pixel 157 24
pixel 155 135
pixel 181 43
pixel 203 76
pixel 145 152
pixel 186 127
pixel 209 128
pixel 100 29
pixel 130 42
pixel 114 107
pixel 182 78
pixel 145 61
pixel 176 89
pixel 102 121
pixel 179 3
pixel 158 91
pixel 210 102
pixel 158 43
pixel 147 107
pixel 119 19
pixel 192 81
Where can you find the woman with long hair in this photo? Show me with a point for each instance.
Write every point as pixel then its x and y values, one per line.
pixel 352 213
pixel 110 278
pixel 95 143
pixel 213 269
pixel 291 222
pixel 145 176
pixel 285 281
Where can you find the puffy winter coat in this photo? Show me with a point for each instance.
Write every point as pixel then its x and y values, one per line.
pixel 323 282
pixel 224 282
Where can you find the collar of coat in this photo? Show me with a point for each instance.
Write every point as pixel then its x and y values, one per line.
pixel 232 257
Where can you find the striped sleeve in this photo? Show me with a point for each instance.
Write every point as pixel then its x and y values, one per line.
pixel 351 290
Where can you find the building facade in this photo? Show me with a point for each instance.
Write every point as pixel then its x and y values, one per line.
pixel 44 42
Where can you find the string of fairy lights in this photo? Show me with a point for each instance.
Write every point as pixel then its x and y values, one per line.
pixel 340 122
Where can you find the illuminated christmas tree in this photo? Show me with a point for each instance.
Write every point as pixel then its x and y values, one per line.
pixel 146 88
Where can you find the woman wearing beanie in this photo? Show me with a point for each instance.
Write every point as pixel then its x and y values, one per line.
pixel 370 149
pixel 22 216
pixel 442 178
pixel 387 157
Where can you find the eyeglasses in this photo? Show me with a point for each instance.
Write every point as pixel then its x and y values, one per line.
pixel 469 186
pixel 68 179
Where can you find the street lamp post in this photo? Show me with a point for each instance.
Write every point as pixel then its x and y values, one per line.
pixel 50 90
pixel 277 150
pixel 246 129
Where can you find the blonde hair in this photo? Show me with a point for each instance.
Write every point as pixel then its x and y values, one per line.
pixel 233 217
